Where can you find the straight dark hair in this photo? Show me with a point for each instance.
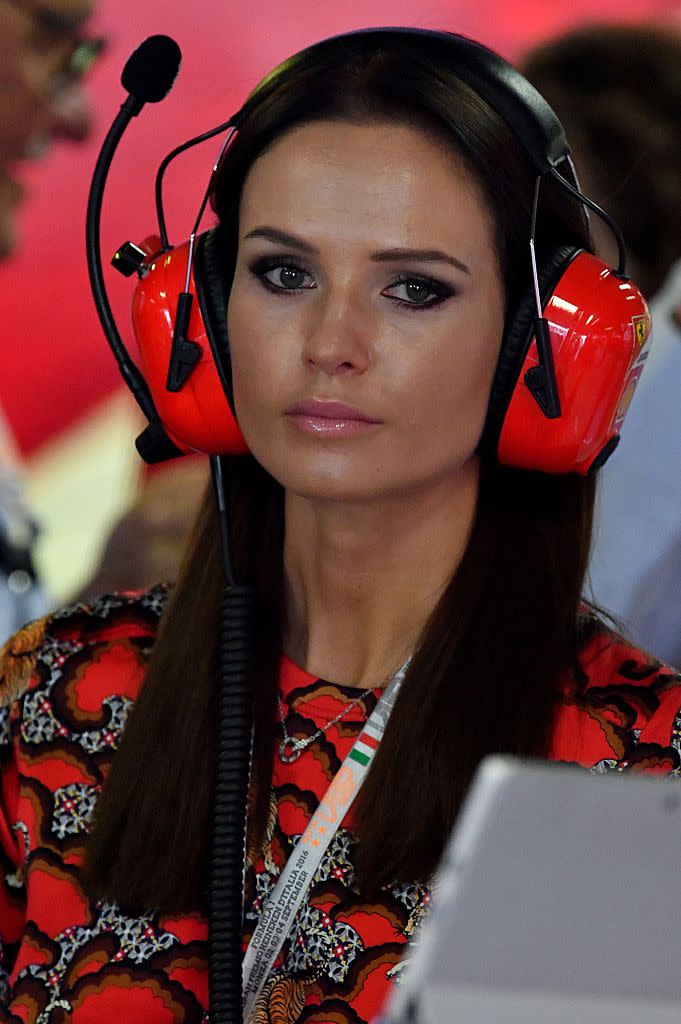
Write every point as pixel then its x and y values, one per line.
pixel 498 645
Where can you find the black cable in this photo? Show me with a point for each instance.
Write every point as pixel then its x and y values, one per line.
pixel 605 217
pixel 163 167
pixel 232 777
pixel 223 499
pixel 131 375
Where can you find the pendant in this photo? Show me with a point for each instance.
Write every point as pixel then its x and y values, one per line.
pixel 290 750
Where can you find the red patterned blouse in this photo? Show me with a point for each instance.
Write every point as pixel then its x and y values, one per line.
pixel 67 684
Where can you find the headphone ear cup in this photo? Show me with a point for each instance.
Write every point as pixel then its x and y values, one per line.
pixel 598 324
pixel 518 335
pixel 212 271
pixel 199 416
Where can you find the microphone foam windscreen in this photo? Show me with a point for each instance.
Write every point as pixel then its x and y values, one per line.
pixel 151 70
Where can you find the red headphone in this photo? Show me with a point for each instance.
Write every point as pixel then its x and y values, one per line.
pixel 572 351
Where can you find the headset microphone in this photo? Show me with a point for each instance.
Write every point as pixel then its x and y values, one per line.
pixel 151 70
pixel 148 76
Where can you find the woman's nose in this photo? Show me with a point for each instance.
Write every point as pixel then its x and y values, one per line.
pixel 338 340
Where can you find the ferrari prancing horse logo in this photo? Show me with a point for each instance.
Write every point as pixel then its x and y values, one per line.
pixel 641 326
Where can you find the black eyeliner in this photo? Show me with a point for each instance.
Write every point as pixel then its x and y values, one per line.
pixel 441 291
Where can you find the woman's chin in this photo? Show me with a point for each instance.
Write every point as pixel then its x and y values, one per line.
pixel 338 477
pixel 351 489
pixel 325 489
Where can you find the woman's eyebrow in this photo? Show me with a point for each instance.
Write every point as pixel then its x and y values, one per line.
pixel 422 255
pixel 284 238
pixel 384 256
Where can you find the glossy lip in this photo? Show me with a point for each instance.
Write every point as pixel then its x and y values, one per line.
pixel 331 419
pixel 315 408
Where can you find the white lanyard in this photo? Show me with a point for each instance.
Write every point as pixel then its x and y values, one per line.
pixel 281 907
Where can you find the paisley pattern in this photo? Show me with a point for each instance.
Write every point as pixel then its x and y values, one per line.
pixel 67 684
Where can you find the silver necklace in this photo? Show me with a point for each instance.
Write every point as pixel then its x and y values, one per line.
pixel 291 748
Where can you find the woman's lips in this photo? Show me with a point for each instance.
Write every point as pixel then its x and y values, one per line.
pixel 330 418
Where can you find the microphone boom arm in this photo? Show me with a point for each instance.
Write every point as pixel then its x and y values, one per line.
pixel 129 371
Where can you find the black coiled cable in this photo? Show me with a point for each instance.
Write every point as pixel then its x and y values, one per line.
pixel 232 775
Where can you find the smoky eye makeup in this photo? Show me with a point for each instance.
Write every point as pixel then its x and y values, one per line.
pixel 282 274
pixel 419 292
pixel 287 275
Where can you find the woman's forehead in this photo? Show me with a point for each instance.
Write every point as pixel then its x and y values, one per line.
pixel 379 177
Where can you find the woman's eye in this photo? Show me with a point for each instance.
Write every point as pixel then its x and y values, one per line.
pixel 418 292
pixel 283 277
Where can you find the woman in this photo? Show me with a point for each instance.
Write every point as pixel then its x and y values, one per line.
pixel 374 217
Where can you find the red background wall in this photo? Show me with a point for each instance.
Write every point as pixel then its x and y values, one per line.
pixel 54 365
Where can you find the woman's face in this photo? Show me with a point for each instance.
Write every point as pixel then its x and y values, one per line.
pixel 366 312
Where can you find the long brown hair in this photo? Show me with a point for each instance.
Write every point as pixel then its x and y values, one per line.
pixel 486 672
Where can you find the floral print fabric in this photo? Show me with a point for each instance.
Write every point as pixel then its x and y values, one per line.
pixel 67 685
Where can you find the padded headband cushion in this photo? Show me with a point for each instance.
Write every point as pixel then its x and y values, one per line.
pixel 211 260
pixel 518 334
pixel 506 90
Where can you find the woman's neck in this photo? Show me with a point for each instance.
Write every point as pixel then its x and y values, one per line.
pixel 362 579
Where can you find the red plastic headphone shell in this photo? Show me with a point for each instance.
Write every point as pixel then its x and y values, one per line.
pixel 198 417
pixel 599 327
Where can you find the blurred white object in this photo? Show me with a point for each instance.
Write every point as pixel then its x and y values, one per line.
pixel 557 902
pixel 78 485
pixel 21 596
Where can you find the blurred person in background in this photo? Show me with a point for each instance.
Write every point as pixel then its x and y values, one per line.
pixel 617 90
pixel 44 53
pixel 43 56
